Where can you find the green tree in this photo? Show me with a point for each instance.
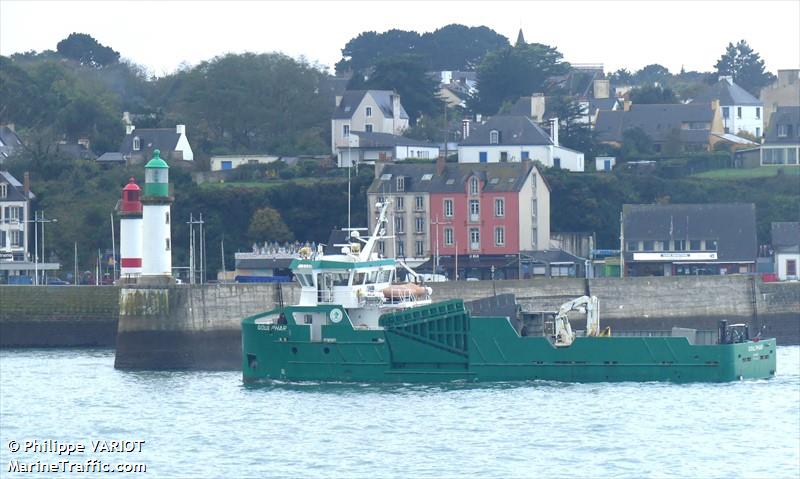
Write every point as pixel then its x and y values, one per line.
pixel 406 75
pixel 573 131
pixel 653 73
pixel 267 225
pixel 636 142
pixel 621 77
pixel 745 66
pixel 86 50
pixel 510 73
pixel 651 94
pixel 367 48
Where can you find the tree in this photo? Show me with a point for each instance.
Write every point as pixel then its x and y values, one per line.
pixel 745 66
pixel 510 73
pixel 406 74
pixel 636 142
pixel 86 50
pixel 621 77
pixel 650 94
pixel 651 74
pixel 367 48
pixel 267 225
pixel 573 131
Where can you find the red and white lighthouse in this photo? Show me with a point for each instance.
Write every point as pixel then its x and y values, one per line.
pixel 130 232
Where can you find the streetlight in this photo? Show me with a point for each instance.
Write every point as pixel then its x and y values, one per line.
pixel 36 221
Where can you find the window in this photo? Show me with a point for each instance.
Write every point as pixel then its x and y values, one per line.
pixel 418 249
pixel 725 112
pixel 166 217
pixel 400 204
pixel 401 183
pixel 474 238
pixel 679 245
pixel 427 177
pixel 382 247
pixel 526 155
pixel 694 245
pixel 482 157
pixel 368 111
pixel 226 165
pixel 727 130
pixel 499 207
pixel 698 125
pixel 368 127
pixel 557 163
pixel 662 245
pixel 711 245
pixel 136 143
pixel 494 137
pixel 791 267
pixel 739 112
pixel 399 224
pixel 499 236
pixel 474 210
pixel 758 132
pixel 448 208
pixel 758 113
pixel 783 131
pixel 474 186
pixel 419 224
pixel 633 246
pixel 167 241
pixel 3 190
pixel 503 156
pixel 15 238
pixel 401 248
pixel 345 131
pixel 448 236
pixel 2 239
pixel 648 245
pixel 419 203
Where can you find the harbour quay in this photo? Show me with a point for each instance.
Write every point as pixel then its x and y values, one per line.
pixel 198 326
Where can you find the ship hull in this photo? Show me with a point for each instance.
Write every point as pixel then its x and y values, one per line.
pixel 441 342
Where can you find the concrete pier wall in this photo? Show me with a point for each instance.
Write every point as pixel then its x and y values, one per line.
pixel 186 327
pixel 57 316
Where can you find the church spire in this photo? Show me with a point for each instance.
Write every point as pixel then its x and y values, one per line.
pixel 520 39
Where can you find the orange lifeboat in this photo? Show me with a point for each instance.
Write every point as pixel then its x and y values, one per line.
pixel 404 290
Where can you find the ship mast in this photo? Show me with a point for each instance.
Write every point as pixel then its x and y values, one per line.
pixel 367 251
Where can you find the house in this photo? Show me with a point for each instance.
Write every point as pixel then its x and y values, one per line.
pixel 368 147
pixel 465 216
pixel 516 138
pixel 690 127
pixel 16 233
pixel 604 163
pixel 551 263
pixel 10 142
pixel 229 162
pixel 111 158
pixel 688 239
pixel 455 87
pixel 786 248
pixel 378 111
pixel 782 139
pixel 741 111
pixel 784 91
pixel 75 151
pixel 532 106
pixel 138 144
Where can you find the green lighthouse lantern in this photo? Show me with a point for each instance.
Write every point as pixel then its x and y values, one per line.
pixel 156 176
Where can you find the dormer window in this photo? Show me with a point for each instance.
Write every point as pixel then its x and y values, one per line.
pixel 3 190
pixel 369 111
pixel 401 183
pixel 137 144
pixel 494 137
pixel 474 186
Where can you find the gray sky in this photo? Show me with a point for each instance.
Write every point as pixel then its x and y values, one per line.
pixel 161 35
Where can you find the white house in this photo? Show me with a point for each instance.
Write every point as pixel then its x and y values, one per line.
pixel 740 111
pixel 369 111
pixel 369 147
pixel 786 244
pixel 139 144
pixel 604 163
pixel 229 162
pixel 514 138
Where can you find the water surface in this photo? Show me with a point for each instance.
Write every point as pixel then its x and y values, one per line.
pixel 208 424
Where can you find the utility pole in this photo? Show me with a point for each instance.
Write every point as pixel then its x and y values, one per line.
pixel 196 240
pixel 37 220
pixel 75 266
pixel 44 260
pixel 222 247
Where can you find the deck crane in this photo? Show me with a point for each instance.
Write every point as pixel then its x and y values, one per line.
pixel 585 304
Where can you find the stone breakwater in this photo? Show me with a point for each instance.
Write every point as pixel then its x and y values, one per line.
pixel 185 327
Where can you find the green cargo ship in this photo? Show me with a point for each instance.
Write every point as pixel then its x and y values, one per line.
pixel 354 323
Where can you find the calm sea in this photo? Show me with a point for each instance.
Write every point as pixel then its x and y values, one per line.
pixel 208 424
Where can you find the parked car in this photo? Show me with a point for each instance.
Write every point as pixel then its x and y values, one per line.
pixel 55 282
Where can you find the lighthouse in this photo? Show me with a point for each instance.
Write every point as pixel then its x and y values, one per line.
pixel 130 232
pixel 156 236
